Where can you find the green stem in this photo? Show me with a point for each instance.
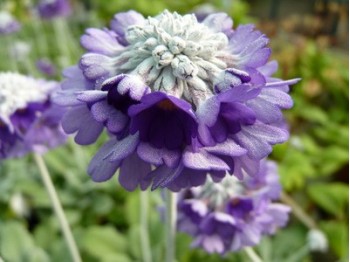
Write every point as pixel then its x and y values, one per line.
pixel 61 41
pixel 40 37
pixel 298 211
pixel 13 64
pixel 170 225
pixel 145 243
pixel 252 255
pixel 58 208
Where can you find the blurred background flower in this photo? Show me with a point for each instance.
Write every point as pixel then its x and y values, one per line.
pixel 29 121
pixel 230 215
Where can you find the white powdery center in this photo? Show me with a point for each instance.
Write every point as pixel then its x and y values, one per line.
pixel 17 91
pixel 175 54
pixel 216 194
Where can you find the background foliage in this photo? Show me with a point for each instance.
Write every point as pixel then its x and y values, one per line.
pixel 105 218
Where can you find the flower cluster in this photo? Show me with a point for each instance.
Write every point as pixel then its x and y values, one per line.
pixel 179 98
pixel 8 24
pixel 233 214
pixel 29 121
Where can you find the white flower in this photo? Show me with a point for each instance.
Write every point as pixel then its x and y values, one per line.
pixel 317 240
pixel 19 205
pixel 17 91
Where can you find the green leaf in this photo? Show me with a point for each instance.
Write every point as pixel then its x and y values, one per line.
pixel 16 244
pixel 337 234
pixel 295 168
pixel 134 237
pixel 332 197
pixel 103 242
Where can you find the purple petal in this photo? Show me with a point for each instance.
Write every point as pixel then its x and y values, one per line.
pixel 122 21
pixel 132 172
pixel 219 22
pixel 229 148
pixel 265 111
pixel 100 168
pixel 114 120
pixel 277 97
pixel 163 175
pixel 91 96
pixel 96 66
pixel 90 135
pixel 202 160
pixel 213 244
pixel 258 138
pixel 158 156
pixel 80 119
pixel 100 41
pixel 208 111
pixel 259 58
pixel 124 147
pixel 244 165
pixel 188 178
pixel 239 94
pixel 269 68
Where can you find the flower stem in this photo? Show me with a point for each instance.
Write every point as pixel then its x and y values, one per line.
pixel 40 36
pixel 170 225
pixel 9 43
pixel 252 255
pixel 298 211
pixel 62 41
pixel 58 208
pixel 145 243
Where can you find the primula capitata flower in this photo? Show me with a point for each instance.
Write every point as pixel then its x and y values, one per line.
pixel 8 24
pixel 49 9
pixel 29 121
pixel 230 215
pixel 180 98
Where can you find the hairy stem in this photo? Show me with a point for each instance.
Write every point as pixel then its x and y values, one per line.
pixel 67 233
pixel 145 243
pixel 170 226
pixel 253 256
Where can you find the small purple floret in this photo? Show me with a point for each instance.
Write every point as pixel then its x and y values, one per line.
pixel 231 215
pixel 52 9
pixel 164 121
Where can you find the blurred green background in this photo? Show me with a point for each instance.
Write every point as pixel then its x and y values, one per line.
pixel 309 39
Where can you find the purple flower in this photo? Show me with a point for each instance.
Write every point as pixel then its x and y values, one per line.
pixel 163 121
pixel 181 99
pixel 29 121
pixel 230 215
pixel 8 24
pixel 49 9
pixel 46 67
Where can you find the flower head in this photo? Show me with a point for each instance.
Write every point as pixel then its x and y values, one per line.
pixel 232 214
pixel 28 119
pixel 49 9
pixel 8 24
pixel 187 98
